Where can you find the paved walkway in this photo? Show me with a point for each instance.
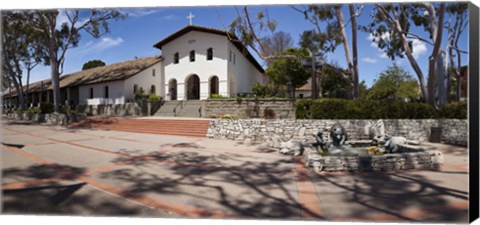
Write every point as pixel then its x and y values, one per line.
pixel 54 170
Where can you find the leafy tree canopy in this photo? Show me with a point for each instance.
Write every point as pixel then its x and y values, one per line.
pixel 332 83
pixel 395 84
pixel 282 71
pixel 92 64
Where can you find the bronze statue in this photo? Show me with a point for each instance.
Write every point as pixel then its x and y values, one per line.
pixel 338 134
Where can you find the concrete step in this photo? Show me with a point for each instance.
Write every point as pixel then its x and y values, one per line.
pixel 182 108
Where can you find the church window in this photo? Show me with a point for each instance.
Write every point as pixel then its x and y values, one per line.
pixel 152 89
pixel 175 58
pixel 91 92
pixel 135 89
pixel 153 72
pixel 106 91
pixel 230 58
pixel 234 56
pixel 209 54
pixel 192 56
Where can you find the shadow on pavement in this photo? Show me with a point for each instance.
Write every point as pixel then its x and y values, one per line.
pixel 247 189
pixel 397 195
pixel 44 172
pixel 19 146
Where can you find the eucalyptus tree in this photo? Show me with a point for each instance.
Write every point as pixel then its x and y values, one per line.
pixel 456 25
pixel 57 38
pixel 21 52
pixel 333 33
pixel 391 25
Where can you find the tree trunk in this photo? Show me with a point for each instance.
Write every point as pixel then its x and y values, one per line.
pixel 408 51
pixel 459 75
pixel 16 83
pixel 341 23
pixel 355 53
pixel 432 73
pixel 27 101
pixel 55 84
pixel 314 77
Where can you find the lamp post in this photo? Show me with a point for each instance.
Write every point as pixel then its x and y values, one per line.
pixel 314 73
pixel 290 89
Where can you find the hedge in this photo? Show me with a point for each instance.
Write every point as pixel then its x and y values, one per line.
pixel 367 109
pixel 455 110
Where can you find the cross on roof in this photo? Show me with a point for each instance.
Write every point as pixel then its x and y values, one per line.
pixel 190 17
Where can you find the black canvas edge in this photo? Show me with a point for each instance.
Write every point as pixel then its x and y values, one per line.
pixel 473 100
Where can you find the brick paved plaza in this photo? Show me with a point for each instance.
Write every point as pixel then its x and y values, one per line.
pixel 55 170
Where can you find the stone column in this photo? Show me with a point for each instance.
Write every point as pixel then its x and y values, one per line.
pixel 204 90
pixel 68 97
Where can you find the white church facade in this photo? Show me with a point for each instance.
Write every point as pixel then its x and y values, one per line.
pixel 199 62
pixel 195 63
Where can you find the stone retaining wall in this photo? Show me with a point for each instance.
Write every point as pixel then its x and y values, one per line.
pixel 52 119
pixel 453 131
pixel 128 109
pixel 249 108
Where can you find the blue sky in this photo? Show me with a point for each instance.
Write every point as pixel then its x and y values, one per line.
pixel 135 36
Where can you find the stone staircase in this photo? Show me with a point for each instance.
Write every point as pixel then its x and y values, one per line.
pixel 194 128
pixel 190 108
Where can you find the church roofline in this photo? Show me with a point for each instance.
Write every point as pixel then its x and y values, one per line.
pixel 232 38
pixel 108 73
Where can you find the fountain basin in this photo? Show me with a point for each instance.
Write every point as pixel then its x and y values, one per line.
pixel 409 157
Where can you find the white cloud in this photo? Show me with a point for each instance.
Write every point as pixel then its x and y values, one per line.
pixel 140 12
pixel 374 44
pixel 418 48
pixel 101 45
pixel 383 55
pixel 169 17
pixel 369 60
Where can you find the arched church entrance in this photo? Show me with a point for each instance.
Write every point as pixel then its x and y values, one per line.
pixel 193 87
pixel 172 89
pixel 213 85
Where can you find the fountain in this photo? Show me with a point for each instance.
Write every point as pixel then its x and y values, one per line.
pixel 381 153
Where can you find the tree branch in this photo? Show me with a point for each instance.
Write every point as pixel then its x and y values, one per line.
pixel 416 36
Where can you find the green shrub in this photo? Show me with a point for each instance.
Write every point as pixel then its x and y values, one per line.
pixel 153 97
pixel 419 111
pixel 302 108
pixel 260 90
pixel 71 112
pixel 458 110
pixel 229 116
pixel 216 96
pixel 329 109
pixel 32 111
pixel 362 109
pixel 46 108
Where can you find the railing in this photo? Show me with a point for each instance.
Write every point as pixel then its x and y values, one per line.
pixel 175 109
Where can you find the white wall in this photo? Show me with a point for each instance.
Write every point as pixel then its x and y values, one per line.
pixel 145 79
pixel 306 94
pixel 115 94
pixel 200 42
pixel 243 72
